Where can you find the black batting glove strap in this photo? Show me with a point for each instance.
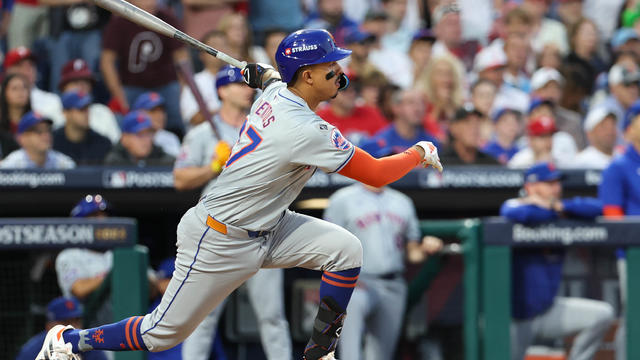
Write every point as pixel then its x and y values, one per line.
pixel 326 330
pixel 253 73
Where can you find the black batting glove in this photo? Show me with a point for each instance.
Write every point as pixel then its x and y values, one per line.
pixel 253 74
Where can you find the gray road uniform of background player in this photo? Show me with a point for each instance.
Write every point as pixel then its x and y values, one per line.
pixel 265 287
pixel 243 223
pixel 383 222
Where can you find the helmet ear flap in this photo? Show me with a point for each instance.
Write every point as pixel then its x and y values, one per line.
pixel 344 82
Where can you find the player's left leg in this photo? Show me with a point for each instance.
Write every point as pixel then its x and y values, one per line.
pixel 209 266
pixel 266 293
pixel 302 241
pixel 589 318
pixel 386 319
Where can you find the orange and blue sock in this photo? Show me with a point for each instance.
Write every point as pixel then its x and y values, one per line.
pixel 339 285
pixel 120 336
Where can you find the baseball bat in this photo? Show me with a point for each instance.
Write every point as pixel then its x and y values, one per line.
pixel 151 22
pixel 184 68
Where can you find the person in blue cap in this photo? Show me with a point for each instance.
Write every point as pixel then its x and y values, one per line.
pixel 81 271
pixel 507 124
pixel 136 146
pixel 619 192
pixel 61 310
pixel 34 137
pixel 537 311
pixel 76 139
pixel 154 105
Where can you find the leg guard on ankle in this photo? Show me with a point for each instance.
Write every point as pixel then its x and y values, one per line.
pixel 326 329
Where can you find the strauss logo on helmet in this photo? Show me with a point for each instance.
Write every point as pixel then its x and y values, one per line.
pixel 304 47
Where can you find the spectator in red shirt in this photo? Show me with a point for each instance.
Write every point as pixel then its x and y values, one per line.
pixel 355 120
pixel 135 60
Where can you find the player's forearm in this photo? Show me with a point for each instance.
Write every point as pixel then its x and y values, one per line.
pixel 380 172
pixel 83 287
pixel 189 178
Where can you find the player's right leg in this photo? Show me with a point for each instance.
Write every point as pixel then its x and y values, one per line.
pixel 209 266
pixel 303 241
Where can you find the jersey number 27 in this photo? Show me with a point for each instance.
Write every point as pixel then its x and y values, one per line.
pixel 254 139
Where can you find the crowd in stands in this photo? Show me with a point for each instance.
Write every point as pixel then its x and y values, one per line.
pixel 491 82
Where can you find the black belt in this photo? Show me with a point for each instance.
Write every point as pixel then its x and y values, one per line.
pixel 255 234
pixel 389 276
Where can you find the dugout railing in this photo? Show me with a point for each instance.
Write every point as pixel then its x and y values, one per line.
pixel 499 236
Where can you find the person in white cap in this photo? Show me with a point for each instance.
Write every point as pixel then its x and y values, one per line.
pixel 624 81
pixel 600 126
pixel 547 83
pixel 490 64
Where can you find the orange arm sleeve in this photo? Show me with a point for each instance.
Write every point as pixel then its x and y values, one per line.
pixel 612 211
pixel 380 172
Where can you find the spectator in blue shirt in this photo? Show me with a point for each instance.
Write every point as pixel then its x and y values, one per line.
pixel 408 109
pixel 507 124
pixel 34 137
pixel 60 311
pixel 537 311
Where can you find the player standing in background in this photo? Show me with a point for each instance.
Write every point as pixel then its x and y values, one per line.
pixel 385 221
pixel 537 311
pixel 243 224
pixel 619 192
pixel 199 163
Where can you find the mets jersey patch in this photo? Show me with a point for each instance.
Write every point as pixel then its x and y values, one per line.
pixel 339 141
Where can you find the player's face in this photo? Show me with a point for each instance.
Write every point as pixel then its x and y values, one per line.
pixel 326 78
pixel 547 190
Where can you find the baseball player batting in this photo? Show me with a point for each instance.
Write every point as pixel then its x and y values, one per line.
pixel 243 224
pixel 195 165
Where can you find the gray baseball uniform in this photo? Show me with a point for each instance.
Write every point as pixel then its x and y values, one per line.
pixel 383 222
pixel 243 223
pixel 265 288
